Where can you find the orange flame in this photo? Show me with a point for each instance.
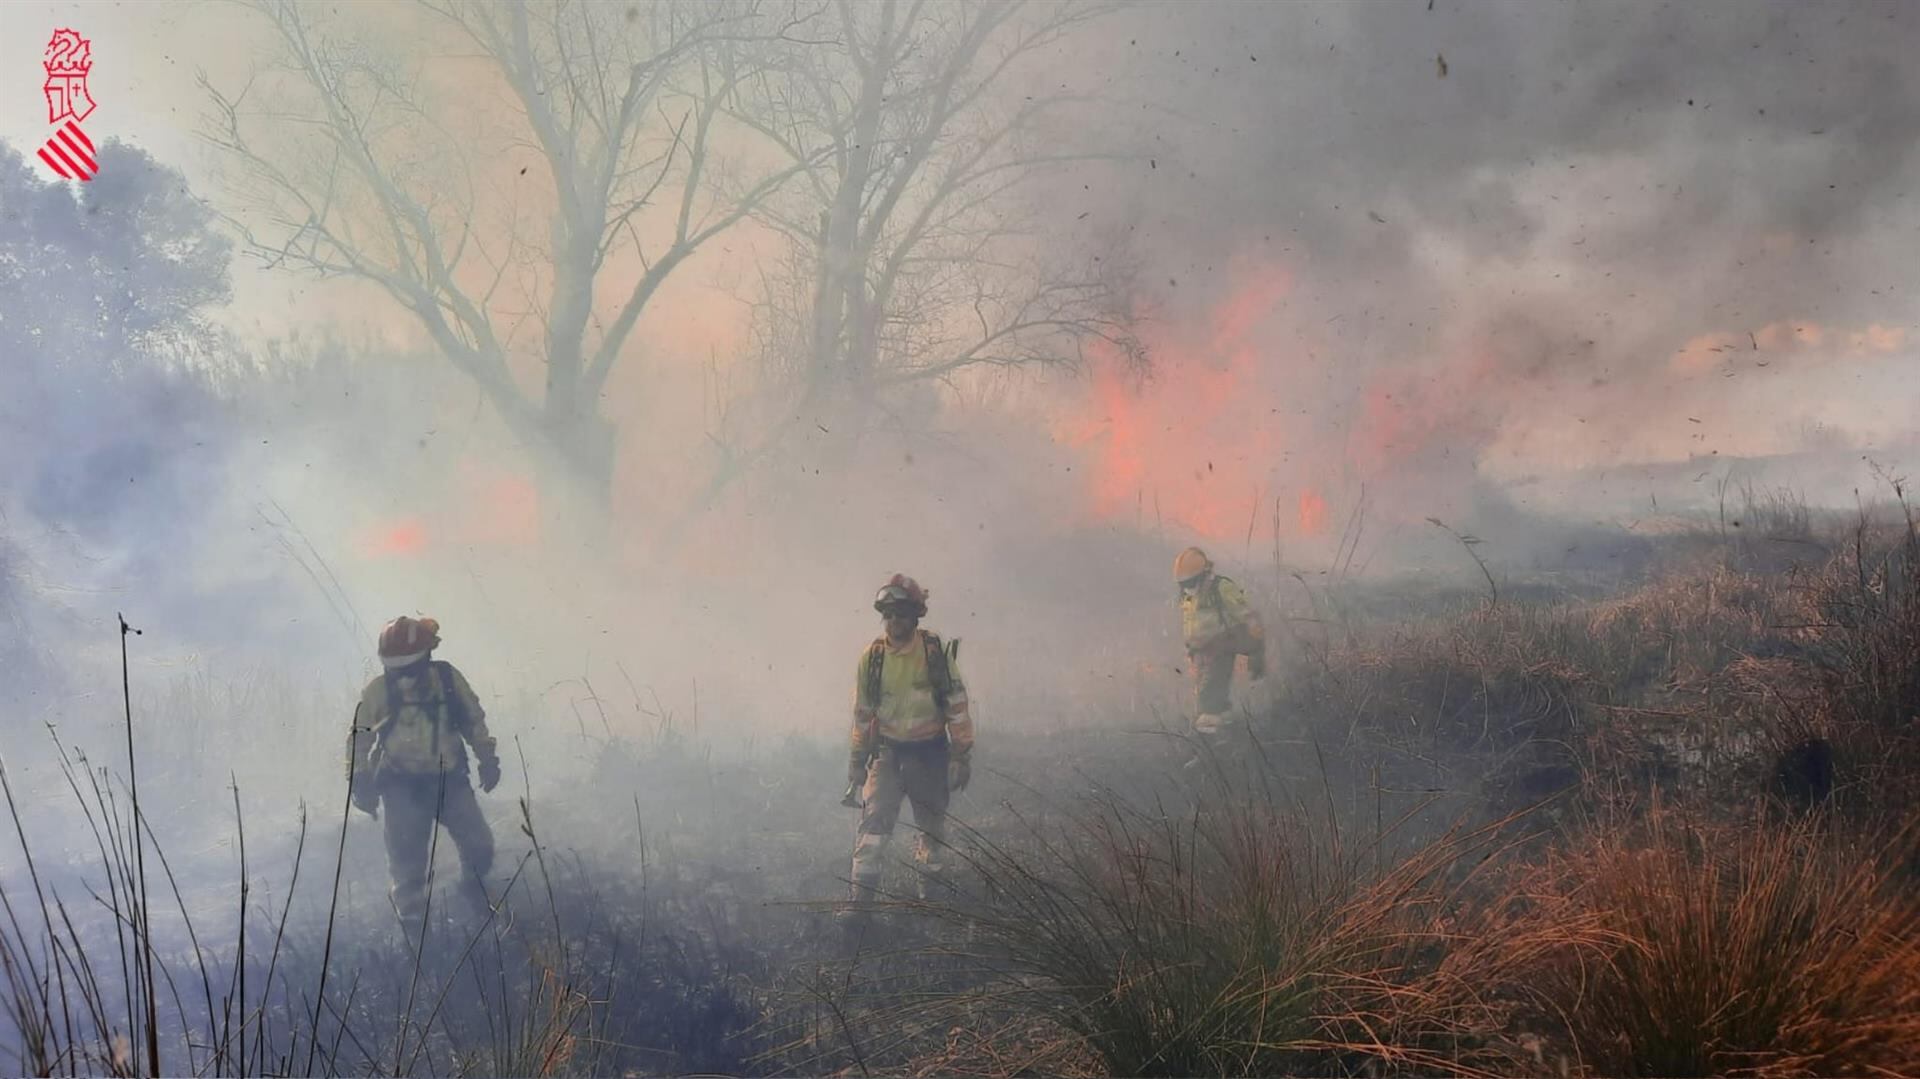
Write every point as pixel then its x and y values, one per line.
pixel 1708 351
pixel 1412 420
pixel 408 537
pixel 486 509
pixel 1313 513
pixel 1196 444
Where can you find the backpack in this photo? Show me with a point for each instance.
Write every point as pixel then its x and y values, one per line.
pixel 939 671
pixel 1238 635
pixel 447 710
pixel 1211 596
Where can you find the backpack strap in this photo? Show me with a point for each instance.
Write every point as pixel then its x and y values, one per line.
pixel 870 676
pixel 439 672
pixel 458 718
pixel 939 674
pixel 392 682
pixel 1219 603
pixel 391 679
pixel 456 704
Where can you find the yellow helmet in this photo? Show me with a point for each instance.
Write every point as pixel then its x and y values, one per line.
pixel 1190 563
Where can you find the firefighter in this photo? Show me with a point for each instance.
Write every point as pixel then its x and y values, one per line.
pixel 1220 626
pixel 411 731
pixel 912 739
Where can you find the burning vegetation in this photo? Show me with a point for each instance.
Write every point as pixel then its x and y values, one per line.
pixel 1500 715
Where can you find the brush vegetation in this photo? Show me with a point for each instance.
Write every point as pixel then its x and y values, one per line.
pixel 1663 828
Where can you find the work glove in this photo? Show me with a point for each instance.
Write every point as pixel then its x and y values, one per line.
pixel 856 779
pixel 366 800
pixel 489 773
pixel 959 772
pixel 1257 665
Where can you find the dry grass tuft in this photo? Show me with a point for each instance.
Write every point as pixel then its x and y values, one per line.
pixel 1730 949
pixel 1245 939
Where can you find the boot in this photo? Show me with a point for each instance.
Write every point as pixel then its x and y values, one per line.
pixel 407 935
pixel 935 887
pixel 931 867
pixel 473 900
pixel 859 906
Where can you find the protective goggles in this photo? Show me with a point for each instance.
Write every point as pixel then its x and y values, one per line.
pixel 893 598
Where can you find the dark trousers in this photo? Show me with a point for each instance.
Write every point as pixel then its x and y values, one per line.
pixel 1213 681
pixel 411 806
pixel 914 772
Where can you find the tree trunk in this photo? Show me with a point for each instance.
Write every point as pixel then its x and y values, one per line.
pixel 574 469
pixel 841 291
pixel 576 462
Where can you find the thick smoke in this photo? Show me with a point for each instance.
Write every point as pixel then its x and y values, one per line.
pixel 115 440
pixel 1525 242
pixel 1534 271
pixel 1462 258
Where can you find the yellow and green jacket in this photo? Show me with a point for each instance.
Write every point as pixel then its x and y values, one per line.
pixel 899 705
pixel 1216 617
pixel 414 721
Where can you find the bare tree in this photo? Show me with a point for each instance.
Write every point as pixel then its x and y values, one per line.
pixel 353 160
pixel 914 254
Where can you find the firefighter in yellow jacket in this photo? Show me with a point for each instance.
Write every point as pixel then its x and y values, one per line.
pixel 1220 626
pixel 411 731
pixel 912 738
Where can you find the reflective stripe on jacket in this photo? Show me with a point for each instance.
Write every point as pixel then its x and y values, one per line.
pixel 905 710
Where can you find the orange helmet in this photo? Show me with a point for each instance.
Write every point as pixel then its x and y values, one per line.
pixel 404 636
pixel 901 591
pixel 1190 563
